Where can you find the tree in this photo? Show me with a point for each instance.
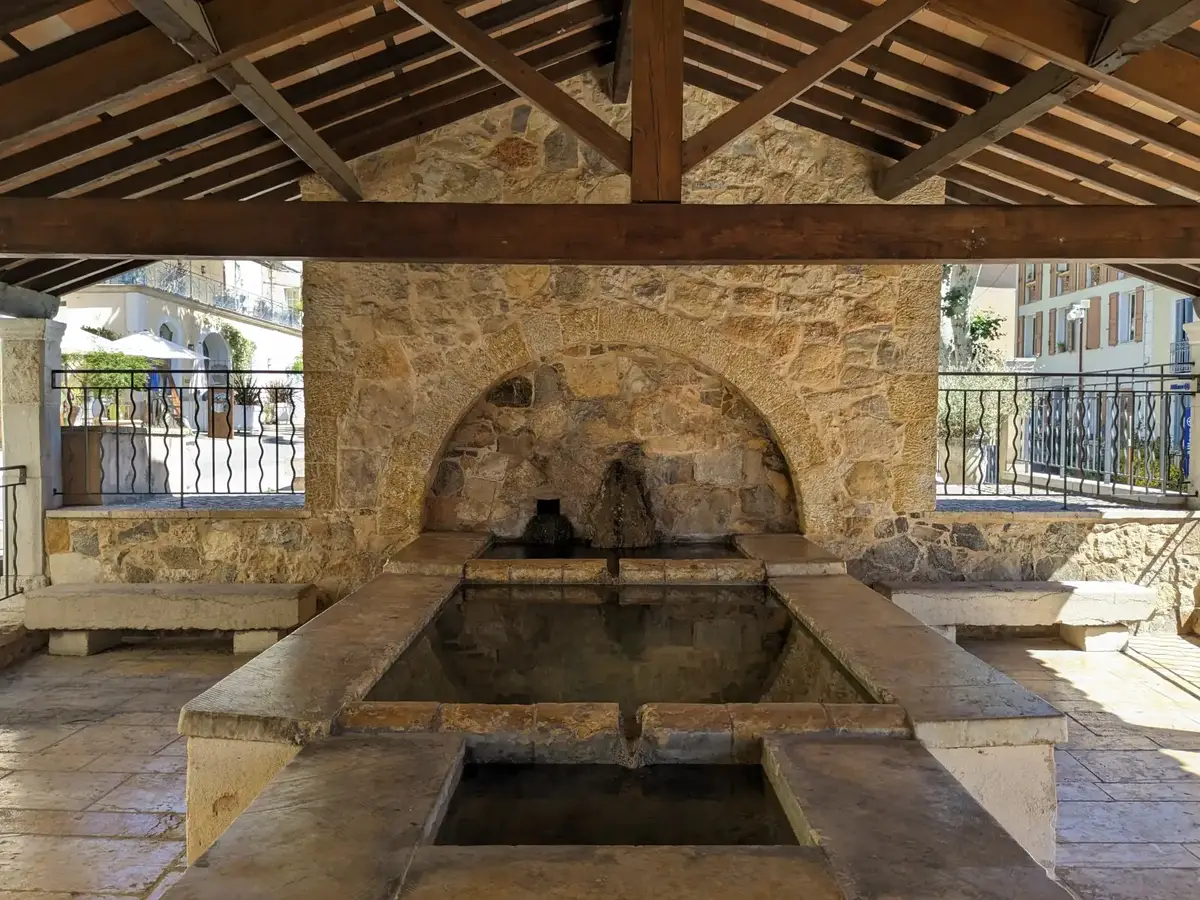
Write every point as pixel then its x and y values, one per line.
pixel 241 348
pixel 958 283
pixel 100 331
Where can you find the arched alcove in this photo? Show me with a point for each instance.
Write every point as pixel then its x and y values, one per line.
pixel 548 431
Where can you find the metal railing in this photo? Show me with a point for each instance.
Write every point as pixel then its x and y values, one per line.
pixel 139 434
pixel 174 278
pixel 11 478
pixel 1122 435
pixel 1181 357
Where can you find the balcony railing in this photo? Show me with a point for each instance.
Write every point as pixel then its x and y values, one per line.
pixel 181 281
pixel 1181 357
pixel 131 436
pixel 1120 435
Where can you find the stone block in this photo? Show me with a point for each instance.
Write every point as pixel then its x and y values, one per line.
pixel 377 715
pixel 875 719
pixel 249 642
pixel 789 554
pixel 1095 638
pixel 82 643
pixel 494 733
pixel 585 571
pixel 154 607
pixel 752 721
pixel 1025 603
pixel 686 733
pixel 577 733
pixel 949 632
pixel 487 571
pixel 739 571
pixel 689 571
pixel 642 571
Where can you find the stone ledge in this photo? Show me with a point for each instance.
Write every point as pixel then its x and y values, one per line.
pixel 789 554
pixel 135 512
pixel 537 571
pixel 295 690
pixel 1118 515
pixel 1025 603
pixel 437 553
pixel 900 660
pixel 161 607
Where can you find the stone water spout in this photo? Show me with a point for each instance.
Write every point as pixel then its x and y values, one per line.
pixel 548 527
pixel 621 517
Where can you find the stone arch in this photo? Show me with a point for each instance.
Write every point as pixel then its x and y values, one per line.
pixel 538 336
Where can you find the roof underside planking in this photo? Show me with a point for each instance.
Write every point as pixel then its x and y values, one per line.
pixel 189 99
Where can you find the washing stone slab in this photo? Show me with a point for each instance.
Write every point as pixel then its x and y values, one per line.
pixel 340 820
pixel 1026 603
pixel 165 607
pixel 294 691
pixel 438 553
pixel 789 554
pixel 631 873
pixel 894 823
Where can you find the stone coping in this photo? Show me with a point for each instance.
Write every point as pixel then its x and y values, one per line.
pixel 595 732
pixel 151 512
pixel 340 820
pixel 789 554
pixel 1024 603
pixel 952 698
pixel 293 691
pixel 893 822
pixel 732 570
pixel 438 553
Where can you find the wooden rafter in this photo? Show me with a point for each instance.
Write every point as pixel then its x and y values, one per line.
pixel 657 101
pixel 595 234
pixel 825 59
pixel 15 14
pixel 524 79
pixel 185 23
pixel 622 69
pixel 1138 28
pixel 1068 34
pixel 138 63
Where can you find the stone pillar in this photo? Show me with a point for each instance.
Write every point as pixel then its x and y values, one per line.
pixel 1192 330
pixel 30 349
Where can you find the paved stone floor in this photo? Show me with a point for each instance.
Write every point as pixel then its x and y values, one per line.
pixel 1129 777
pixel 92 770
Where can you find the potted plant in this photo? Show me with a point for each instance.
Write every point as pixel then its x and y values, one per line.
pixel 279 402
pixel 246 405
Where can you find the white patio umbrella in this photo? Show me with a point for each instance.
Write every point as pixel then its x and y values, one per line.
pixel 151 346
pixel 76 340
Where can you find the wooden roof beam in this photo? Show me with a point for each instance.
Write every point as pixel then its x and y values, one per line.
pixel 138 63
pixel 787 86
pixel 622 70
pixel 19 13
pixel 525 80
pixel 595 234
pixel 1136 29
pixel 1069 35
pixel 186 24
pixel 657 126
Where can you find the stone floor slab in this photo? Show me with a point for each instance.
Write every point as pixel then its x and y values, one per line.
pixel 1127 856
pixel 31 738
pixel 145 793
pixel 1142 765
pixel 83 865
pixel 138 740
pixel 1153 790
pixel 91 824
pixel 1081 791
pixel 55 790
pixel 1133 884
pixel 134 765
pixel 1127 822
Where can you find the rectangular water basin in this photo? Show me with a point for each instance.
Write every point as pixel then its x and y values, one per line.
pixel 628 645
pixel 613 805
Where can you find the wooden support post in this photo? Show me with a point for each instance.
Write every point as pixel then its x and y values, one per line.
pixel 657 101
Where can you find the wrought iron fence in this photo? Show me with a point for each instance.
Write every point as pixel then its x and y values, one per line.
pixel 161 433
pixel 11 478
pixel 174 278
pixel 1120 434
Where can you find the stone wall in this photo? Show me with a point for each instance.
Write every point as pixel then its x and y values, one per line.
pixel 1158 550
pixel 839 361
pixel 706 459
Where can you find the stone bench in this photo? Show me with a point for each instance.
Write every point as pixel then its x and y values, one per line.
pixel 1090 615
pixel 86 618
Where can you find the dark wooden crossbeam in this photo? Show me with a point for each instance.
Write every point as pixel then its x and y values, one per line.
pixel 524 79
pixel 785 87
pixel 651 234
pixel 1135 30
pixel 141 62
pixel 16 14
pixel 186 24
pixel 1068 35
pixel 657 126
pixel 622 69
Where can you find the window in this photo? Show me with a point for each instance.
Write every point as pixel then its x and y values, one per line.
pixel 291 296
pixel 1185 313
pixel 1062 278
pixel 1061 328
pixel 1030 271
pixel 1120 275
pixel 1091 276
pixel 1125 314
pixel 1027 336
pixel 165 332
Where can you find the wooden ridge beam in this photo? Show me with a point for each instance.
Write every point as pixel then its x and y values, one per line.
pixel 1068 34
pixel 186 24
pixel 524 79
pixel 145 60
pixel 786 87
pixel 1138 28
pixel 657 125
pixel 595 234
pixel 621 76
